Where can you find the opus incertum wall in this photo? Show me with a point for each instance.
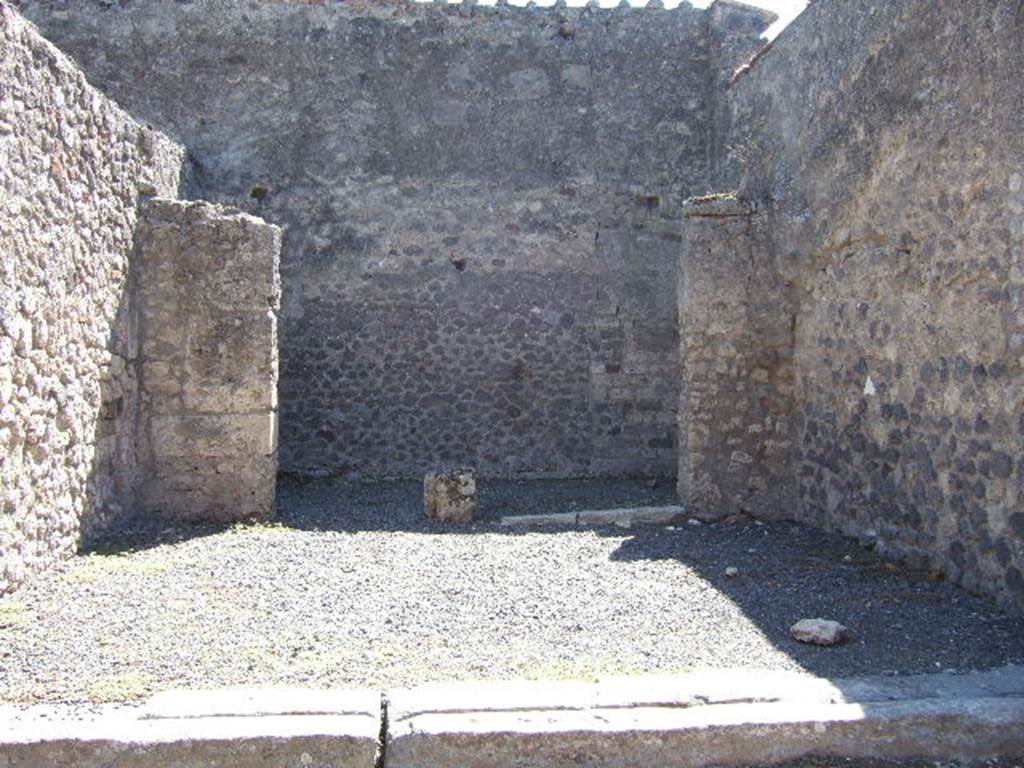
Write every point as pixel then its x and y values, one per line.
pixel 71 164
pixel 75 225
pixel 882 145
pixel 480 207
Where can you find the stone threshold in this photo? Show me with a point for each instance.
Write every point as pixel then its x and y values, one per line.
pixel 726 718
pixel 624 518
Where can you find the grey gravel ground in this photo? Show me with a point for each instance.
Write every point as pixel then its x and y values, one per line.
pixel 352 587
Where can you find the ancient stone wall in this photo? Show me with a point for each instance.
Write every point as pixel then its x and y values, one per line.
pixel 71 168
pixel 208 295
pixel 885 139
pixel 736 365
pixel 480 205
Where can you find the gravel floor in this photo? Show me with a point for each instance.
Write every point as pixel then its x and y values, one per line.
pixel 351 587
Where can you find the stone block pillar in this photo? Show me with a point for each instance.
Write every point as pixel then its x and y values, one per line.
pixel 208 292
pixel 736 346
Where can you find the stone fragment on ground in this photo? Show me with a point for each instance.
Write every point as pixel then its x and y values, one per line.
pixel 450 496
pixel 818 632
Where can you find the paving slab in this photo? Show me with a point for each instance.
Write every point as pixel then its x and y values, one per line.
pixel 692 721
pixel 212 729
pixel 625 517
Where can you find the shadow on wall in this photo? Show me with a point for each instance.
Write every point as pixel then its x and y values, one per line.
pixel 532 285
pixel 885 142
pixel 138 349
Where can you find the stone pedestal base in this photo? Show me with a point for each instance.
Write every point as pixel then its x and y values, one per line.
pixel 450 496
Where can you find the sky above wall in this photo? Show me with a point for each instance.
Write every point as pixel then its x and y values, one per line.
pixel 786 9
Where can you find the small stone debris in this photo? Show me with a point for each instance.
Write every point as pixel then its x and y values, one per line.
pixel 818 632
pixel 694 522
pixel 450 496
pixel 732 571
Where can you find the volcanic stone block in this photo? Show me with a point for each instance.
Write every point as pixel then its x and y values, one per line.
pixel 450 496
pixel 695 721
pixel 818 632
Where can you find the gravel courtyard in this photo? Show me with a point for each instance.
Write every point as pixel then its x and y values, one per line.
pixel 351 587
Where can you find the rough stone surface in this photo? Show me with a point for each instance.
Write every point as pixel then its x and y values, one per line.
pixel 736 341
pixel 685 720
pixel 209 292
pixel 883 140
pixel 818 632
pixel 622 516
pixel 71 167
pixel 481 209
pixel 450 496
pixel 706 720
pixel 270 728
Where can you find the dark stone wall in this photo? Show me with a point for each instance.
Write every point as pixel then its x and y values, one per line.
pixel 480 209
pixel 884 141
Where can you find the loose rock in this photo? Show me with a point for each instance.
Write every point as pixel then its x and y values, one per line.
pixel 818 632
pixel 450 496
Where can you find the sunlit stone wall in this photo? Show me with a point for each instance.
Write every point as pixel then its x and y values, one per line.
pixel 72 165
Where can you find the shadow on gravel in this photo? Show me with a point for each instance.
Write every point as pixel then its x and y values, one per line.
pixel 398 505
pixel 899 622
pixel 351 507
pixel 133 534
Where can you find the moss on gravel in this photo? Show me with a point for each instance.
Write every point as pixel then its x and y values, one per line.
pixel 14 614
